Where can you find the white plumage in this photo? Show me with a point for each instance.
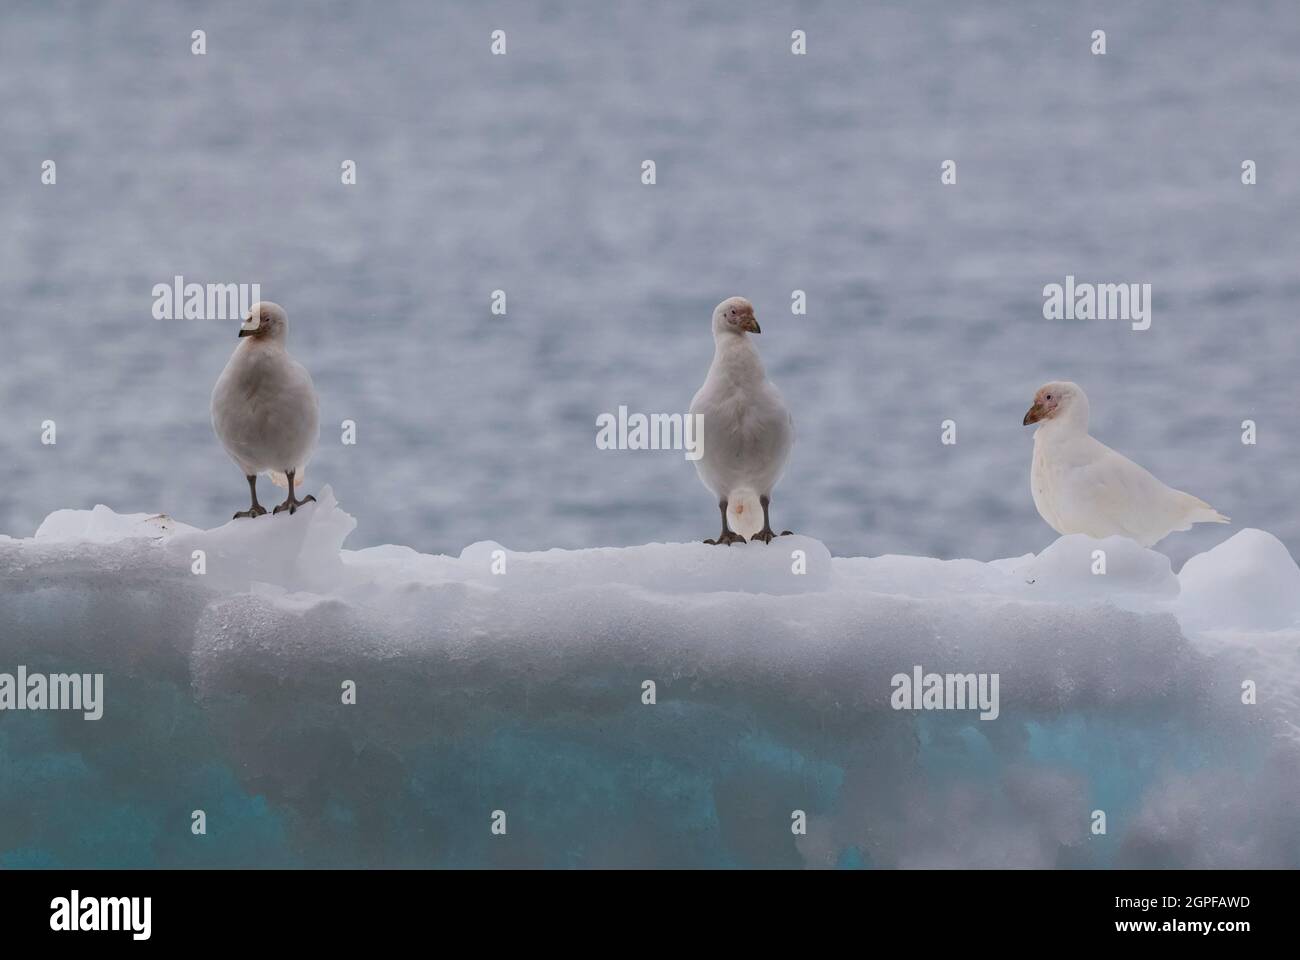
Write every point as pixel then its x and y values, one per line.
pixel 1080 485
pixel 264 406
pixel 748 431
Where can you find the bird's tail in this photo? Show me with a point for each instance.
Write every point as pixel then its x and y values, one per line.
pixel 280 480
pixel 744 512
pixel 1198 511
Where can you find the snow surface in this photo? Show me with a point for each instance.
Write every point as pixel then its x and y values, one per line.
pixel 522 691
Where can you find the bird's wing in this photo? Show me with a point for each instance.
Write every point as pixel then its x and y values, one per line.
pixel 1110 492
pixel 697 402
pixel 784 421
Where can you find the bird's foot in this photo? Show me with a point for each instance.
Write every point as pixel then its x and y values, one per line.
pixel 766 535
pixel 726 538
pixel 787 533
pixel 292 505
pixel 256 510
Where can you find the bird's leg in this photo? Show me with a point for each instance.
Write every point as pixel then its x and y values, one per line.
pixel 767 534
pixel 726 536
pixel 256 510
pixel 292 503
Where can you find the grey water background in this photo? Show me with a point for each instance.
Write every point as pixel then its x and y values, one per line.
pixel 775 172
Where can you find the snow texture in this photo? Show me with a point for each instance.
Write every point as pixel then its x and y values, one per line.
pixel 521 691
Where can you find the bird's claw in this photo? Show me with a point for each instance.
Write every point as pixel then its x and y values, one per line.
pixel 292 505
pixel 726 539
pixel 255 511
pixel 767 536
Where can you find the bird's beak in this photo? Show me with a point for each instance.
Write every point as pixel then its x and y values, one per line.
pixel 245 332
pixel 1034 414
pixel 750 324
pixel 250 327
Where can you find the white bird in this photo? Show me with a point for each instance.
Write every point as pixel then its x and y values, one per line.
pixel 1080 485
pixel 264 407
pixel 747 430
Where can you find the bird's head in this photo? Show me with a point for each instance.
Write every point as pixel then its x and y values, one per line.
pixel 1058 400
pixel 735 315
pixel 265 321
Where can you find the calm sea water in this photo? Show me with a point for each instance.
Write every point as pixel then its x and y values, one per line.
pixel 775 173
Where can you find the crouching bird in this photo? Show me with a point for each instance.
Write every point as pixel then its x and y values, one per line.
pixel 264 407
pixel 747 430
pixel 1080 485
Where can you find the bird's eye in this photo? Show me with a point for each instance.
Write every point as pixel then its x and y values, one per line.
pixel 1049 396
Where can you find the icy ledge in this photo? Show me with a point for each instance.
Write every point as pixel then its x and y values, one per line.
pixel 512 681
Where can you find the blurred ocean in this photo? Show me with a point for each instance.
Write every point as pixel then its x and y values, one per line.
pixel 775 173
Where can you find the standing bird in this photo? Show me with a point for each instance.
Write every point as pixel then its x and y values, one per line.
pixel 747 430
pixel 1083 486
pixel 264 407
